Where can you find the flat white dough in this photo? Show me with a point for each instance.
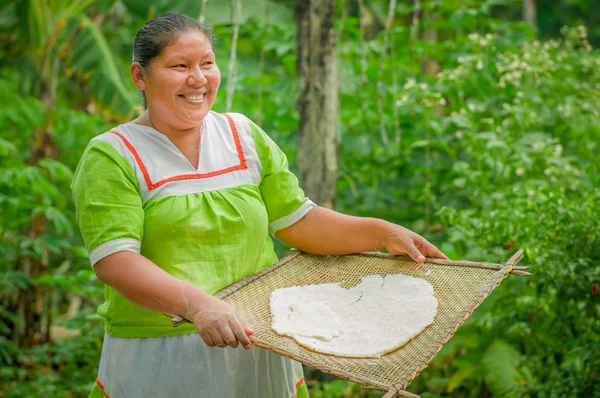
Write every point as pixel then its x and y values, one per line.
pixel 375 317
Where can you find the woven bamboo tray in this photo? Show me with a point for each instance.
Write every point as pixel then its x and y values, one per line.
pixel 459 286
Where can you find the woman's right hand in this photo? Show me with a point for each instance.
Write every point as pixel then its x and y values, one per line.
pixel 219 325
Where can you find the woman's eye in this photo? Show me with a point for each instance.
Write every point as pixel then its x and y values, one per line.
pixel 179 66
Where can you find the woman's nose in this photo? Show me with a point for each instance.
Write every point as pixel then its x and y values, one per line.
pixel 196 77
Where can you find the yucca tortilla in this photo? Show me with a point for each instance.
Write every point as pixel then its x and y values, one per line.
pixel 375 317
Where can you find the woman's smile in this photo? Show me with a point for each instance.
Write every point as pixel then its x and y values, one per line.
pixel 193 98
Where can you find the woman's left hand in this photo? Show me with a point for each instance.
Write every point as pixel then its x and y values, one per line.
pixel 400 240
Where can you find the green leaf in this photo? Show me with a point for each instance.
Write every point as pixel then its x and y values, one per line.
pixel 58 171
pixel 92 56
pixel 13 281
pixel 7 149
pixel 59 221
pixel 440 146
pixel 31 110
pixel 33 11
pixel 75 8
pixel 458 377
pixel 501 369
pixel 79 251
pixel 8 17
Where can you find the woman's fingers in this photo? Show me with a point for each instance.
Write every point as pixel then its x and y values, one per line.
pixel 239 331
pixel 415 254
pixel 435 252
pixel 207 339
pixel 216 339
pixel 228 336
pixel 430 250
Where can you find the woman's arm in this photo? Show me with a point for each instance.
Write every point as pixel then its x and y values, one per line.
pixel 144 283
pixel 324 231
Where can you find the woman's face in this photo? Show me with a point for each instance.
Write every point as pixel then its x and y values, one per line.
pixel 181 84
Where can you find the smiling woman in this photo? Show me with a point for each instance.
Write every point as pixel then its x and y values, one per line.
pixel 177 205
pixel 174 206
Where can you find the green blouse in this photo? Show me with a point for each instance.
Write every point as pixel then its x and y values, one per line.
pixel 134 190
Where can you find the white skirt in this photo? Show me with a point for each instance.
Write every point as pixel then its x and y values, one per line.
pixel 184 366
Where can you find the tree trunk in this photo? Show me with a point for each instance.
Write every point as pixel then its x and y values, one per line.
pixel 318 100
pixel 530 13
pixel 430 67
pixel 32 304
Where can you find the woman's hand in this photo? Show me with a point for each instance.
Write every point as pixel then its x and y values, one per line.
pixel 399 240
pixel 219 325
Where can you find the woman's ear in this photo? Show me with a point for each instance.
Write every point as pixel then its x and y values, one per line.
pixel 138 76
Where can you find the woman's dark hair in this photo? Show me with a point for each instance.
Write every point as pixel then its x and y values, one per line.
pixel 160 32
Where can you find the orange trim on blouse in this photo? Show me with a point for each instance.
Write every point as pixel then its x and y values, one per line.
pixel 151 186
pixel 102 388
pixel 298 384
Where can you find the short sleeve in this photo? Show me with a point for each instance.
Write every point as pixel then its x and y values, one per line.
pixel 108 205
pixel 285 201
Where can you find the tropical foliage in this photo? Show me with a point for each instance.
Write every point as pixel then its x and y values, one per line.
pixel 457 120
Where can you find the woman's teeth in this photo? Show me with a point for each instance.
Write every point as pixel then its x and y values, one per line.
pixel 194 98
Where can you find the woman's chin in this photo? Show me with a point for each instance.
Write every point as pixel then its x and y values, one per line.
pixel 191 121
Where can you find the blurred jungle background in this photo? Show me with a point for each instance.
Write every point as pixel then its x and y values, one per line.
pixel 475 123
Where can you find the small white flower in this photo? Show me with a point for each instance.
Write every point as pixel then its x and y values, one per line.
pixel 471 106
pixel 459 134
pixel 520 171
pixel 479 65
pixel 537 146
pixel 410 82
pixel 558 150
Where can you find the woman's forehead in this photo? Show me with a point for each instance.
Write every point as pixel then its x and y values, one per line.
pixel 188 42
